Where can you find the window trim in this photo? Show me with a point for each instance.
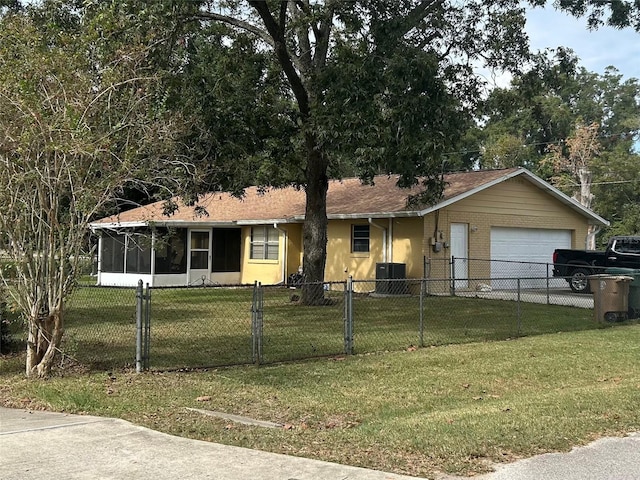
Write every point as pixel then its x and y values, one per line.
pixel 266 242
pixel 360 239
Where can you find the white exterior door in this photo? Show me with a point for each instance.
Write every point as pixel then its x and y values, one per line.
pixel 199 256
pixel 459 248
pixel 525 253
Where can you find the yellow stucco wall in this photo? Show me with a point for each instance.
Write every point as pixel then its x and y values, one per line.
pixel 341 262
pixel 406 248
pixel 271 271
pixel 408 245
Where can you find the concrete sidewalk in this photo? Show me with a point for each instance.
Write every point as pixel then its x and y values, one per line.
pixel 36 445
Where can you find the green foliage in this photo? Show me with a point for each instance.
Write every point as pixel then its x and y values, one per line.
pixel 539 112
pixel 11 326
pixel 81 116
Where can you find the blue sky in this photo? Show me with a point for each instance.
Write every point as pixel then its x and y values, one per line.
pixel 596 49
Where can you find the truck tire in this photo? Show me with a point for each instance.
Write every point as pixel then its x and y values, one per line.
pixel 579 282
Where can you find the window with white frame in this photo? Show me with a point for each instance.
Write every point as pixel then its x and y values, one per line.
pixel 265 243
pixel 360 238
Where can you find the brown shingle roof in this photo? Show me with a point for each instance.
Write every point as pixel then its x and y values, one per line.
pixel 347 197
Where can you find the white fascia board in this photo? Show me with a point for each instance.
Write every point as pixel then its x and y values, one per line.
pixel 116 225
pixel 274 221
pixel 162 223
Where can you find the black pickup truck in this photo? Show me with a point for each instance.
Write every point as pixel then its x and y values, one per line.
pixel 576 265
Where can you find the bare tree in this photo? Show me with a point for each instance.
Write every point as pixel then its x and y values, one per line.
pixel 573 165
pixel 74 128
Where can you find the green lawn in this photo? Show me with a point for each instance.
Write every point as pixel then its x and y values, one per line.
pixel 204 327
pixel 455 408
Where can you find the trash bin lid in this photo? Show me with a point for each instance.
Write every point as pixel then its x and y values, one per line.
pixel 629 272
pixel 621 270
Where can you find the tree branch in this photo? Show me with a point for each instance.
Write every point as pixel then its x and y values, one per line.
pixel 406 24
pixel 236 22
pixel 280 48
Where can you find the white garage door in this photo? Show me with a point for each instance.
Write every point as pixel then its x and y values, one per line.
pixel 524 253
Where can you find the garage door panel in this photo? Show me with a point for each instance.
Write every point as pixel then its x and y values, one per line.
pixel 524 253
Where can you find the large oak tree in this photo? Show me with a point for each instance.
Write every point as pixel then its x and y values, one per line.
pixel 304 91
pixel 300 91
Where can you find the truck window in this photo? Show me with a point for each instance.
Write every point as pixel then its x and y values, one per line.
pixel 627 245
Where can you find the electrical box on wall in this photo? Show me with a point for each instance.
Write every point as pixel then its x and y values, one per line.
pixel 437 246
pixel 432 240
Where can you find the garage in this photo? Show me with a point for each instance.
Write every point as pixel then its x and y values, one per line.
pixel 524 253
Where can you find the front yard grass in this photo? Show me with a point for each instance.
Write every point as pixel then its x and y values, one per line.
pixel 455 409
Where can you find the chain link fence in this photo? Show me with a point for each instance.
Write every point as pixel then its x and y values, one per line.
pixel 166 328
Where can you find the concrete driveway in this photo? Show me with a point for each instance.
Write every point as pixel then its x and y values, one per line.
pixel 556 296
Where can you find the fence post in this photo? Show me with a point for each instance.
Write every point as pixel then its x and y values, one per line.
pixel 453 276
pixel 519 312
pixel 139 333
pixel 348 317
pixel 147 328
pixel 423 288
pixel 256 323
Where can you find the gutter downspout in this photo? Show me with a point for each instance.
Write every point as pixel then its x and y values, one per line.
pixel 384 239
pixel 390 242
pixel 284 254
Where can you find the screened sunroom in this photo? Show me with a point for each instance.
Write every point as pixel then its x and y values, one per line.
pixel 169 256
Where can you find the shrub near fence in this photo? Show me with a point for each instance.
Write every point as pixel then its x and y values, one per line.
pixel 208 326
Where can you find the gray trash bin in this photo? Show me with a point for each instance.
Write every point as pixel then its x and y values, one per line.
pixel 610 297
pixel 634 288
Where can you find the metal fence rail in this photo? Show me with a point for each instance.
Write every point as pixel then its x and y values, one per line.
pixel 208 326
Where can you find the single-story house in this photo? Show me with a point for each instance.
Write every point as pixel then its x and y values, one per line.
pixel 508 215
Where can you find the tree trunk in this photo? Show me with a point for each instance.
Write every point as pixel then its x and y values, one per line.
pixel 43 342
pixel 314 231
